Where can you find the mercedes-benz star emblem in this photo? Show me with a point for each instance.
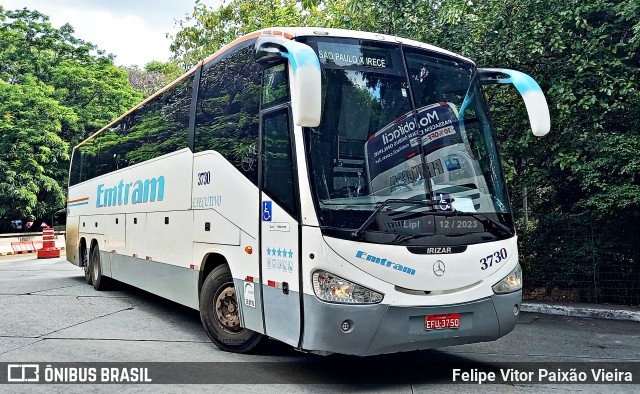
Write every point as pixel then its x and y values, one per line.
pixel 438 268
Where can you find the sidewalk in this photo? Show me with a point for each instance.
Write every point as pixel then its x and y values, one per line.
pixel 596 311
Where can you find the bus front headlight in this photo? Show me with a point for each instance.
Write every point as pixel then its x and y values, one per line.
pixel 332 288
pixel 510 283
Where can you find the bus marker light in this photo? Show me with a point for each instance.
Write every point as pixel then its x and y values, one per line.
pixel 277 285
pixel 248 249
pixel 249 279
pixel 192 266
pixel 148 257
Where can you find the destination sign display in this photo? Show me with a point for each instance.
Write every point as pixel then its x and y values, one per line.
pixel 345 55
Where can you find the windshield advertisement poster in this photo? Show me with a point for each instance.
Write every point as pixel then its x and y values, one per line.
pixel 398 142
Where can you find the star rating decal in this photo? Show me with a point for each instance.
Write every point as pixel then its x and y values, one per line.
pixel 280 252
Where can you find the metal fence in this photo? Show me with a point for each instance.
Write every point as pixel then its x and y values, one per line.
pixel 579 260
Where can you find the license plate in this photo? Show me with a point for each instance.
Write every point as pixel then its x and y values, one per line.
pixel 438 322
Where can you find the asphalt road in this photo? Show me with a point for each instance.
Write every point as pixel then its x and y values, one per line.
pixel 49 314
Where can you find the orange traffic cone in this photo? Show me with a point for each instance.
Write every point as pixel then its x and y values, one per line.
pixel 48 249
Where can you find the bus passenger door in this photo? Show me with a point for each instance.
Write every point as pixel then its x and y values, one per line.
pixel 279 249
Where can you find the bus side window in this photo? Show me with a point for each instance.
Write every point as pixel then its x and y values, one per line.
pixel 277 160
pixel 275 85
pixel 75 171
pixel 227 112
pixel 158 127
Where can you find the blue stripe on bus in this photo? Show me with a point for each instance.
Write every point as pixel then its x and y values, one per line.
pixel 78 203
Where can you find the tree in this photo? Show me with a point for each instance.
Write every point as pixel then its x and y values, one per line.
pixel 54 92
pixel 153 77
pixel 208 30
pixel 583 177
pixel 31 149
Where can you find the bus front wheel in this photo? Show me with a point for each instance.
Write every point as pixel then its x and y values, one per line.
pixel 220 314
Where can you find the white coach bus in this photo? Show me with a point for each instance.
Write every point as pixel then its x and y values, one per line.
pixel 339 191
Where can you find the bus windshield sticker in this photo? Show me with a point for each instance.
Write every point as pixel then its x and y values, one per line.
pixel 444 200
pixel 393 144
pixel 452 163
pixel 282 226
pixel 396 145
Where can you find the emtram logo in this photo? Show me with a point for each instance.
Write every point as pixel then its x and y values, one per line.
pixel 385 263
pixel 139 191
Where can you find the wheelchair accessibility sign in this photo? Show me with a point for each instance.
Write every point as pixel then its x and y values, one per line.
pixel 444 202
pixel 266 211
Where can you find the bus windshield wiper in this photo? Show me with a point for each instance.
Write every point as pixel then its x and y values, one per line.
pixel 491 223
pixel 385 203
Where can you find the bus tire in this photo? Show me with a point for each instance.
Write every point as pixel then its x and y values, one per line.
pixel 220 315
pixel 84 258
pixel 95 267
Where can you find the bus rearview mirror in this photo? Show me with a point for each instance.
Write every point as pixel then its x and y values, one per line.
pixel 531 93
pixel 304 75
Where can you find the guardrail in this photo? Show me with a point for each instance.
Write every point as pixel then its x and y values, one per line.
pixel 18 243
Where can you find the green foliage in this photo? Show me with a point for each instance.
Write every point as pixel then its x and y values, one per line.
pixel 54 92
pixel 209 30
pixel 153 77
pixel 585 57
pixel 170 70
pixel 31 149
pixel 144 81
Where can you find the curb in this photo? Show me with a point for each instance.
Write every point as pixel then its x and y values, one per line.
pixel 573 311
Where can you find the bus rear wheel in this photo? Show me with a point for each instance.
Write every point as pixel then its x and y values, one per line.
pixel 220 315
pixel 95 263
pixel 84 258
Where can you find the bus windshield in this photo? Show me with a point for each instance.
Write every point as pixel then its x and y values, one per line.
pixel 404 124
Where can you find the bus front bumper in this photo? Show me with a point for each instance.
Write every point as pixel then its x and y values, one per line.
pixel 380 328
